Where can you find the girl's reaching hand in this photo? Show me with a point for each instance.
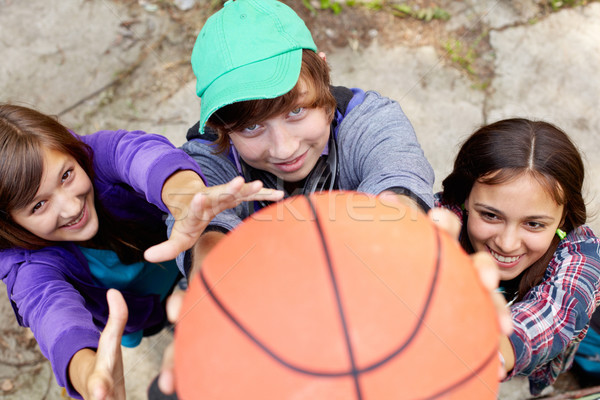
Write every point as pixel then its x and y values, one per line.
pixel 98 375
pixel 194 205
pixel 490 278
pixel 107 381
pixel 484 263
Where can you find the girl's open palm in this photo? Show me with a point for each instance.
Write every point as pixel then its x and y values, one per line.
pixel 192 219
pixel 106 381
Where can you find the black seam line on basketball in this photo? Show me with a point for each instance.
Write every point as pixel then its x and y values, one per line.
pixel 289 365
pixel 338 299
pixel 474 372
pixel 467 378
pixel 399 298
pixel 182 316
pixel 421 319
pixel 253 338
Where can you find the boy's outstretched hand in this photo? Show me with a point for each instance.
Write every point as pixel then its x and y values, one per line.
pixel 193 205
pixel 166 379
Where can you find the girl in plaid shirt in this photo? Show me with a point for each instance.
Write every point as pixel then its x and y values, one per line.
pixel 516 186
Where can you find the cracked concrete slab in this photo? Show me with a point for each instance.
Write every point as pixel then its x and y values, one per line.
pixel 545 70
pixel 493 14
pixel 438 100
pixel 51 40
pixel 549 70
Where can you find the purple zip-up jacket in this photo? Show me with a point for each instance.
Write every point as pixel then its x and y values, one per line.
pixel 52 290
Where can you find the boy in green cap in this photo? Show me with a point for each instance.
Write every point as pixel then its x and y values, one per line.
pixel 268 113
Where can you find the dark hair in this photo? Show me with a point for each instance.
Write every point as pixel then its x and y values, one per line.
pixel 501 151
pixel 24 133
pixel 314 74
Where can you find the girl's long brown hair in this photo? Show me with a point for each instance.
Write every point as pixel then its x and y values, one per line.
pixel 501 151
pixel 24 133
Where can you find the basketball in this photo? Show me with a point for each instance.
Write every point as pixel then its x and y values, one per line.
pixel 337 295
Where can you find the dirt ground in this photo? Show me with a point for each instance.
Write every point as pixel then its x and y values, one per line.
pixel 128 95
pixel 354 27
pixel 155 38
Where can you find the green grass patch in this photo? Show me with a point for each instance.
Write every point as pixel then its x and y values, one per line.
pixel 403 10
pixel 558 4
pixel 424 14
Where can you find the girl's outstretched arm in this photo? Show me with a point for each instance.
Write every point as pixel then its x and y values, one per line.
pixel 98 375
pixel 490 278
pixel 194 205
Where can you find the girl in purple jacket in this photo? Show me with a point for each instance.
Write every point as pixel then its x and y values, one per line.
pixel 82 214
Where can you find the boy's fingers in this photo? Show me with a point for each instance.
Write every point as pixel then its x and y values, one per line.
pixel 174 303
pixel 166 379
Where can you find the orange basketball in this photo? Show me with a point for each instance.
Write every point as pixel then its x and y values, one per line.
pixel 337 296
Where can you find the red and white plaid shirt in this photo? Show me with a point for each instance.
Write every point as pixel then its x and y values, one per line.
pixel 554 316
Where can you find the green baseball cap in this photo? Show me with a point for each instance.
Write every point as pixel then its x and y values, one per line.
pixel 248 50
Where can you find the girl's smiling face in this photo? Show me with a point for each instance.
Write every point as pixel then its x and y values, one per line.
pixel 63 207
pixel 514 221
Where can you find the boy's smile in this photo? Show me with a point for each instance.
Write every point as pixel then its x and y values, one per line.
pixel 293 164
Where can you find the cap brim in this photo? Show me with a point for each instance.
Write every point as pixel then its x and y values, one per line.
pixel 265 79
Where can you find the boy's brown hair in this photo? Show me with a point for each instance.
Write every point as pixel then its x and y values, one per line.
pixel 314 77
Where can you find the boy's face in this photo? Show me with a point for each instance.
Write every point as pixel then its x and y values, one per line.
pixel 286 145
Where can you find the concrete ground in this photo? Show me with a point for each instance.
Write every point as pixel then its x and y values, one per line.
pixel 120 64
